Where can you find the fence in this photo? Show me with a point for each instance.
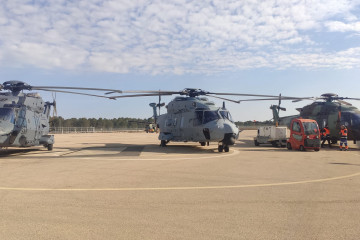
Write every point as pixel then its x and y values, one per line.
pixel 64 130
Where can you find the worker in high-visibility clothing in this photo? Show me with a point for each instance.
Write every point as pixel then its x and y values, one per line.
pixel 343 138
pixel 326 136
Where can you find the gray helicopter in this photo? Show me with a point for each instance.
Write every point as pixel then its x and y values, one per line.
pixel 24 117
pixel 191 117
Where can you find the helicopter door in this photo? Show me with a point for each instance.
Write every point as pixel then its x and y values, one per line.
pixel 176 126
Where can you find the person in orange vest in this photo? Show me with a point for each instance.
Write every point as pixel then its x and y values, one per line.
pixel 343 138
pixel 326 136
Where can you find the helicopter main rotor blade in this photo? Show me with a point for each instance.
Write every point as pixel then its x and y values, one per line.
pixel 344 102
pixel 145 91
pixel 75 88
pixel 268 99
pixel 226 99
pixel 247 95
pixel 347 98
pixel 138 95
pixel 60 91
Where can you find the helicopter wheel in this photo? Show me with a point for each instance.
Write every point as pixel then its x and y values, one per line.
pixel 163 143
pixel 202 143
pixel 220 148
pixel 50 147
pixel 226 149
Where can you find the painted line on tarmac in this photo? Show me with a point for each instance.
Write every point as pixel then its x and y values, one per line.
pixel 211 155
pixel 180 188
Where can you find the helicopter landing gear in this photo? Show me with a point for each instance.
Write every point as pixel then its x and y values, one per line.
pixel 49 146
pixel 203 143
pixel 222 148
pixel 163 143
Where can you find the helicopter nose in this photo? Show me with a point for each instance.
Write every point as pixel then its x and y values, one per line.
pixel 231 133
pixel 5 129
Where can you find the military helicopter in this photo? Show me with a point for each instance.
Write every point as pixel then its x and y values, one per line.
pixel 191 117
pixel 331 110
pixel 24 117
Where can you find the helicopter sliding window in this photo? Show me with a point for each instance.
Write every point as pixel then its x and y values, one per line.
pixel 7 114
pixel 346 118
pixel 199 118
pixel 226 115
pixel 211 116
pixel 310 128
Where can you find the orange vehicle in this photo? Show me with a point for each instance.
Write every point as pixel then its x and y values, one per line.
pixel 304 134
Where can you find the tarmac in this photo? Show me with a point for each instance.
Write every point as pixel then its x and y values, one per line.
pixel 125 186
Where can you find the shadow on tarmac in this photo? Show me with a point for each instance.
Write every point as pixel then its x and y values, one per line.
pixel 15 151
pixel 109 150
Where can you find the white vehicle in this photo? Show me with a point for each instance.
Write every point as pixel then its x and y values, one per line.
pixel 277 136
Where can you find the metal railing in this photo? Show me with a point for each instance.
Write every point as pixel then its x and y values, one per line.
pixel 65 130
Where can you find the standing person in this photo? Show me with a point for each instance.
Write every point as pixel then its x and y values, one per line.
pixel 326 136
pixel 343 138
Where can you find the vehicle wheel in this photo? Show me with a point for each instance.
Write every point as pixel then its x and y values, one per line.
pixel 302 148
pixel 202 143
pixel 288 145
pixel 50 147
pixel 163 143
pixel 256 143
pixel 274 144
pixel 317 149
pixel 226 149
pixel 220 148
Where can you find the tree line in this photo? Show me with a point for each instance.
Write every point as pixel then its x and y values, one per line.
pixel 99 123
pixel 123 122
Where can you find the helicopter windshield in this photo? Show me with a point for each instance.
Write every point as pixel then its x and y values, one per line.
pixel 7 114
pixel 310 128
pixel 356 119
pixel 210 116
pixel 226 115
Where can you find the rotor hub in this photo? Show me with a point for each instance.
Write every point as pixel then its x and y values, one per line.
pixel 16 86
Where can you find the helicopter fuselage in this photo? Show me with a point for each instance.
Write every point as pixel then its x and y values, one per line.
pixel 196 119
pixel 333 115
pixel 24 120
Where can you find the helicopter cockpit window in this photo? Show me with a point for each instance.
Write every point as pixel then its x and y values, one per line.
pixel 7 114
pixel 226 115
pixel 210 116
pixel 310 128
pixel 356 120
pixel 199 118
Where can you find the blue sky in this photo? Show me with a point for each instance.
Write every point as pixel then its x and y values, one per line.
pixel 293 47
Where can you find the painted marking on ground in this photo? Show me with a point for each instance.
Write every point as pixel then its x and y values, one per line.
pixel 182 188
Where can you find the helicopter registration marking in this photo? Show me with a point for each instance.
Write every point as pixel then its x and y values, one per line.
pixel 183 188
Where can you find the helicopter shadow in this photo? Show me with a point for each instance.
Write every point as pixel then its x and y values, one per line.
pixel 248 145
pixel 11 152
pixel 345 164
pixel 103 150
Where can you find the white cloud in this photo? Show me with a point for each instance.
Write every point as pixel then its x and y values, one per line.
pixel 337 26
pixel 177 37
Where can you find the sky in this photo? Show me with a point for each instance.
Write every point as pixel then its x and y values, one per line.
pixel 300 48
